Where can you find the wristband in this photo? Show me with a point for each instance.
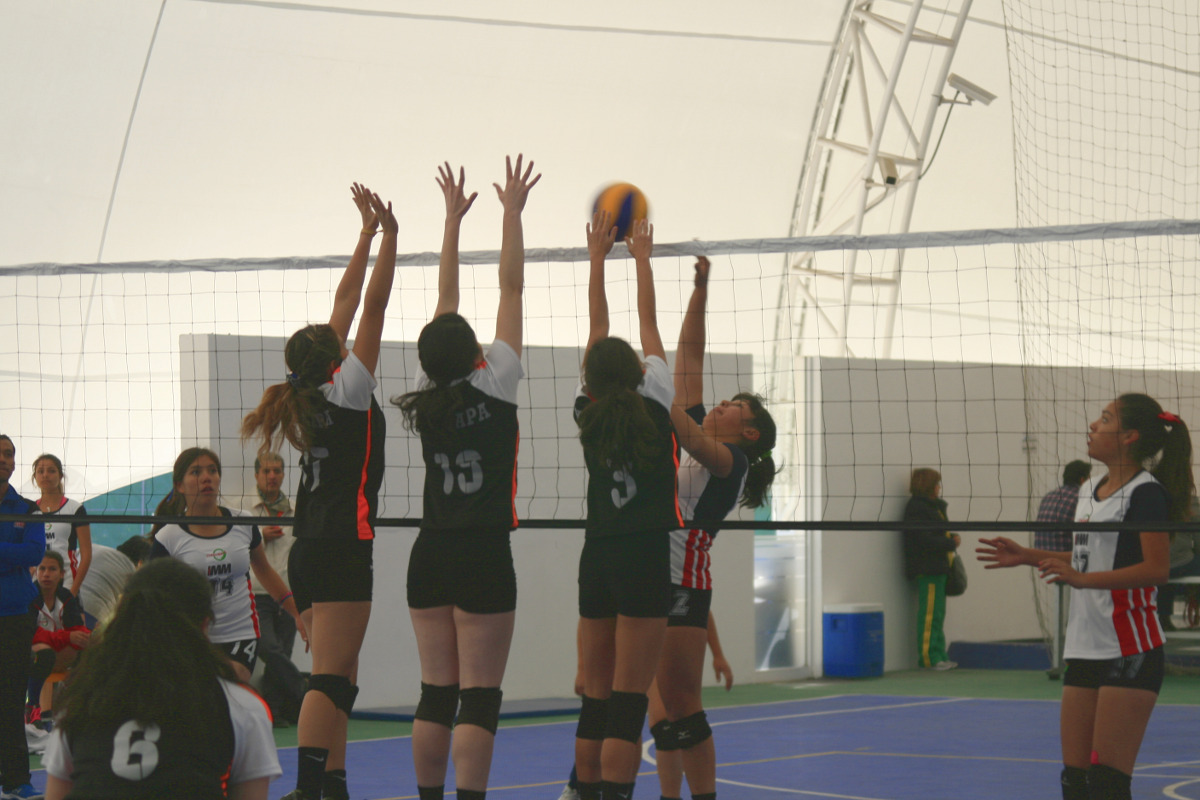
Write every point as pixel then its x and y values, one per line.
pixel 284 599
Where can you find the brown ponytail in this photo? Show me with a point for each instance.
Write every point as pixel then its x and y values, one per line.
pixel 287 410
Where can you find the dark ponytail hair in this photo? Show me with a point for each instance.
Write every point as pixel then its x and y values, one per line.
pixel 1170 437
pixel 174 504
pixel 448 351
pixel 288 410
pixel 762 471
pixel 152 660
pixel 616 428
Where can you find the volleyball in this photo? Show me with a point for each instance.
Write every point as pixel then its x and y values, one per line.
pixel 625 202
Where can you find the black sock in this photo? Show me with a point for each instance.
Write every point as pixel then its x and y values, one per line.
pixel 431 792
pixel 616 791
pixel 311 770
pixel 468 794
pixel 1074 783
pixel 573 781
pixel 589 791
pixel 664 797
pixel 705 796
pixel 333 785
pixel 1106 783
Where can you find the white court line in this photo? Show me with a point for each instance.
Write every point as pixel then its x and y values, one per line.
pixel 1172 790
pixel 805 792
pixel 847 710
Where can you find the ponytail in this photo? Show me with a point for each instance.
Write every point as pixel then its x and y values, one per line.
pixel 1165 435
pixel 288 410
pixel 616 427
pixel 762 470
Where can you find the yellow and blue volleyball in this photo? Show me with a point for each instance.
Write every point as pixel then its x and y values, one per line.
pixel 625 202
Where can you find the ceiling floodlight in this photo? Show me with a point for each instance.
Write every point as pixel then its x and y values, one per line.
pixel 973 92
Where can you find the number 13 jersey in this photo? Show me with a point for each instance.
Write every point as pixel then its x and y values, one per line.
pixel 471 468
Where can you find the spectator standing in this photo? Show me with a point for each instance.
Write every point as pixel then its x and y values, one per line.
pixel 22 545
pixel 927 558
pixel 69 537
pixel 1059 506
pixel 282 683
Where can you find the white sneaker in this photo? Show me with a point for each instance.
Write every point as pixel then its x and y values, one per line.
pixel 568 794
pixel 942 666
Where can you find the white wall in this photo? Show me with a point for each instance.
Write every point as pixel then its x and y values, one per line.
pixel 223 377
pixel 998 454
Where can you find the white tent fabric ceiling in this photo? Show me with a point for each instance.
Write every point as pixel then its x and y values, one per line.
pixel 175 129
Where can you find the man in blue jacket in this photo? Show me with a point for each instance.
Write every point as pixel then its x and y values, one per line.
pixel 22 545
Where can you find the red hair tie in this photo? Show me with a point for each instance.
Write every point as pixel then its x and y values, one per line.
pixel 1167 416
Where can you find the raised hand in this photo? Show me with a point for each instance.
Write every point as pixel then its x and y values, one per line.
pixel 1000 552
pixel 457 202
pixel 516 186
pixel 384 214
pixel 362 199
pixel 641 239
pixel 601 234
pixel 701 266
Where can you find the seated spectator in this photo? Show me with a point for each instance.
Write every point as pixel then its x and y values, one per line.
pixel 60 634
pixel 111 567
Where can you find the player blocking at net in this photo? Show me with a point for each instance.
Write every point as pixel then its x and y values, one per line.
pixel 462 586
pixel 327 410
pixel 623 411
pixel 727 455
pixel 1114 643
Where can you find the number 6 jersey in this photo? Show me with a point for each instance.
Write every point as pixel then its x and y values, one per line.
pixel 170 757
pixel 471 469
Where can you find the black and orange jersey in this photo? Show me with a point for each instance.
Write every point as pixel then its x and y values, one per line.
pixel 343 467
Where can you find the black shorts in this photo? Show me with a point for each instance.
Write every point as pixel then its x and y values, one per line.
pixel 689 607
pixel 1140 671
pixel 469 570
pixel 628 575
pixel 330 571
pixel 244 651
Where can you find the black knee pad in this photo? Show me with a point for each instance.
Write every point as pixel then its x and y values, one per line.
pixel 663 740
pixel 337 688
pixel 479 706
pixel 593 718
pixel 41 664
pixel 626 716
pixel 691 730
pixel 1106 783
pixel 1074 783
pixel 438 704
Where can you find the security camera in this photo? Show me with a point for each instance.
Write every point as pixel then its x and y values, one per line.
pixel 973 92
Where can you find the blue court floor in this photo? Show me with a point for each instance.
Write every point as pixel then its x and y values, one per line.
pixel 851 747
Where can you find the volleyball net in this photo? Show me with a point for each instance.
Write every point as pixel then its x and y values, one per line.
pixel 986 359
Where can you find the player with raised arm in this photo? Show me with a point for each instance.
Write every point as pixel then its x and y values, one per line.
pixel 462 586
pixel 727 456
pixel 623 408
pixel 327 410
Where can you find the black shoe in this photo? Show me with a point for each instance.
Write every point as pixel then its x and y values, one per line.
pixel 296 794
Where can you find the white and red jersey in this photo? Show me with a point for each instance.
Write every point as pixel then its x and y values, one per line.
pixel 1111 623
pixel 702 495
pixel 62 535
pixel 225 561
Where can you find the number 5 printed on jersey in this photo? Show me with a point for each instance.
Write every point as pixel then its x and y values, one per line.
pixel 624 480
